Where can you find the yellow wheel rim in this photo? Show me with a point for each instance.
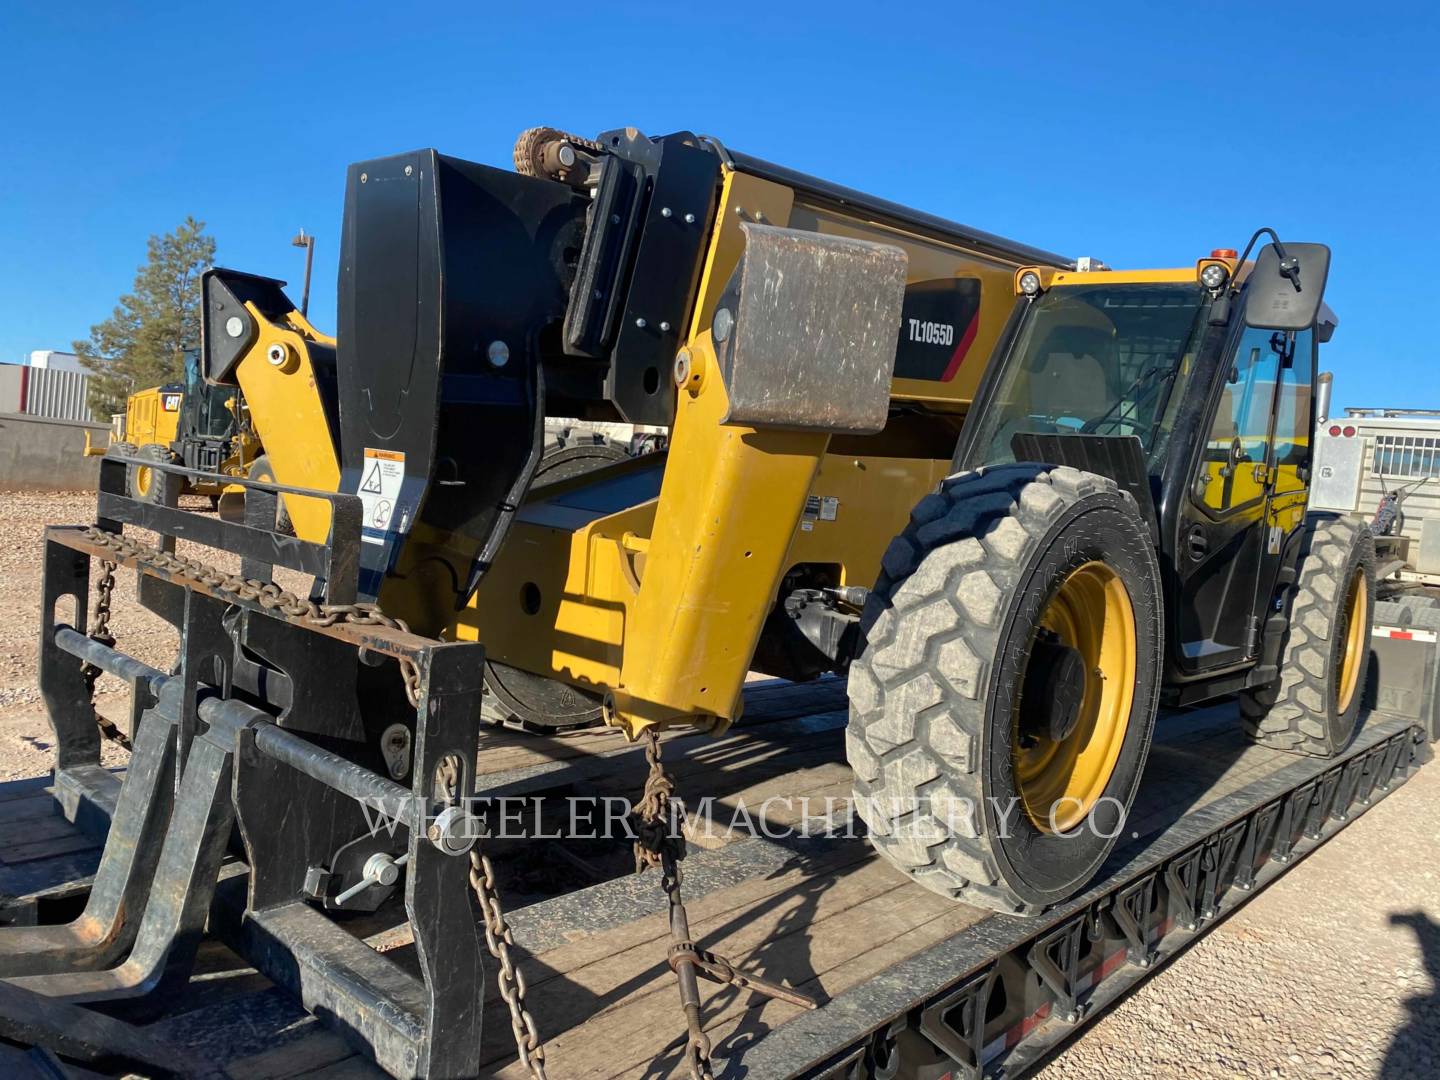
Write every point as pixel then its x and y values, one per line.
pixel 1354 655
pixel 1059 782
pixel 143 479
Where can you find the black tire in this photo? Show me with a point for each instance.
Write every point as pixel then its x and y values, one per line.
pixel 946 640
pixel 533 702
pixel 1301 711
pixel 565 462
pixel 536 703
pixel 260 470
pixel 150 485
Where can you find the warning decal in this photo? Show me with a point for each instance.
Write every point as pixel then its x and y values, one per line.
pixel 380 482
pixel 824 507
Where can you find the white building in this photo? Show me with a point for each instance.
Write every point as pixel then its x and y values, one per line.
pixel 52 360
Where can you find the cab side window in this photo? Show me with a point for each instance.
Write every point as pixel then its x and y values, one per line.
pixel 1239 438
pixel 1294 413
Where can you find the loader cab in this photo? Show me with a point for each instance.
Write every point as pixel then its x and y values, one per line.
pixel 206 411
pixel 1194 393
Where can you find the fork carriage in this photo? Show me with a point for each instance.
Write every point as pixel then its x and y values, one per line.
pixel 254 785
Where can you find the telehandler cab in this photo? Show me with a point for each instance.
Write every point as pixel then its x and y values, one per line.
pixel 1013 569
pixel 1126 521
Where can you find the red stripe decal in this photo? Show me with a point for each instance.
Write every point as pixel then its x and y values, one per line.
pixel 1029 1024
pixel 1109 964
pixel 958 356
pixel 1402 635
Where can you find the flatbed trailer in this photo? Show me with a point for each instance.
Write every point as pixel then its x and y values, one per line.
pixel 907 980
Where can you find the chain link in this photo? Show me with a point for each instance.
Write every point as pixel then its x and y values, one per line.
pixel 658 844
pixel 100 622
pixel 267 594
pixel 100 631
pixel 498 940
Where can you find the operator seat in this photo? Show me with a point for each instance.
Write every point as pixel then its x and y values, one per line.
pixel 1074 377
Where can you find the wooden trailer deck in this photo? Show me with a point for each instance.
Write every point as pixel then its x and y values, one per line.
pixel 823 914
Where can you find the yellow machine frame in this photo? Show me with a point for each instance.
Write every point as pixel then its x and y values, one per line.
pixel 658 606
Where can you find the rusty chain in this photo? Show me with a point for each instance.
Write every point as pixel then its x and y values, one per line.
pixel 270 596
pixel 660 842
pixel 498 940
pixel 657 844
pixel 100 631
pixel 100 621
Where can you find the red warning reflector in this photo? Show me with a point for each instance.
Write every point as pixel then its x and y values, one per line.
pixel 1425 636
pixel 1349 431
pixel 1334 429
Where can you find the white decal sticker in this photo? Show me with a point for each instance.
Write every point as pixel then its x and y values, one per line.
pixel 380 482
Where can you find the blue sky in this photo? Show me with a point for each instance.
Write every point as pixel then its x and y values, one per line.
pixel 1145 134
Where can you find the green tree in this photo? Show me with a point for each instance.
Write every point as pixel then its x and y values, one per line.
pixel 143 343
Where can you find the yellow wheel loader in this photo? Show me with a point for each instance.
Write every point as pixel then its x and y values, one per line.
pixel 190 423
pixel 1021 499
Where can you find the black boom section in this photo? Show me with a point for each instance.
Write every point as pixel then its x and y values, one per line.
pixel 449 273
pixel 640 266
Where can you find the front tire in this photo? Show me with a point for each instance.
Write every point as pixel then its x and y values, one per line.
pixel 151 485
pixel 1313 706
pixel 1011 589
pixel 261 472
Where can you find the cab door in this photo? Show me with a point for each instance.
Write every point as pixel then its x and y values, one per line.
pixel 1224 549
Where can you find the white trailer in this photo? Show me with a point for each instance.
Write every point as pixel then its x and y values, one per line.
pixel 1384 465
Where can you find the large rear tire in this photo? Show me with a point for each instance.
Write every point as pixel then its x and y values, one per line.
pixel 1312 707
pixel 1004 694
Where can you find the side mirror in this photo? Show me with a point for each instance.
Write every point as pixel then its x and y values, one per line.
pixel 1286 294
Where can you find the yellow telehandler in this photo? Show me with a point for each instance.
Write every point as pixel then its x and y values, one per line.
pixel 1020 499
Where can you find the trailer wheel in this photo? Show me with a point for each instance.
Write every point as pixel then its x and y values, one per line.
pixel 151 485
pixel 1004 694
pixel 521 698
pixel 1312 706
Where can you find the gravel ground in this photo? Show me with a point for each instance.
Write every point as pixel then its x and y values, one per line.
pixel 24 736
pixel 1333 971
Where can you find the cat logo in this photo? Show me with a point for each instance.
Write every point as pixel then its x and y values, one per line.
pixel 170 402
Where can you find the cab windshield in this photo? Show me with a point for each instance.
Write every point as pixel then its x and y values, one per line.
pixel 1099 359
pixel 211 404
